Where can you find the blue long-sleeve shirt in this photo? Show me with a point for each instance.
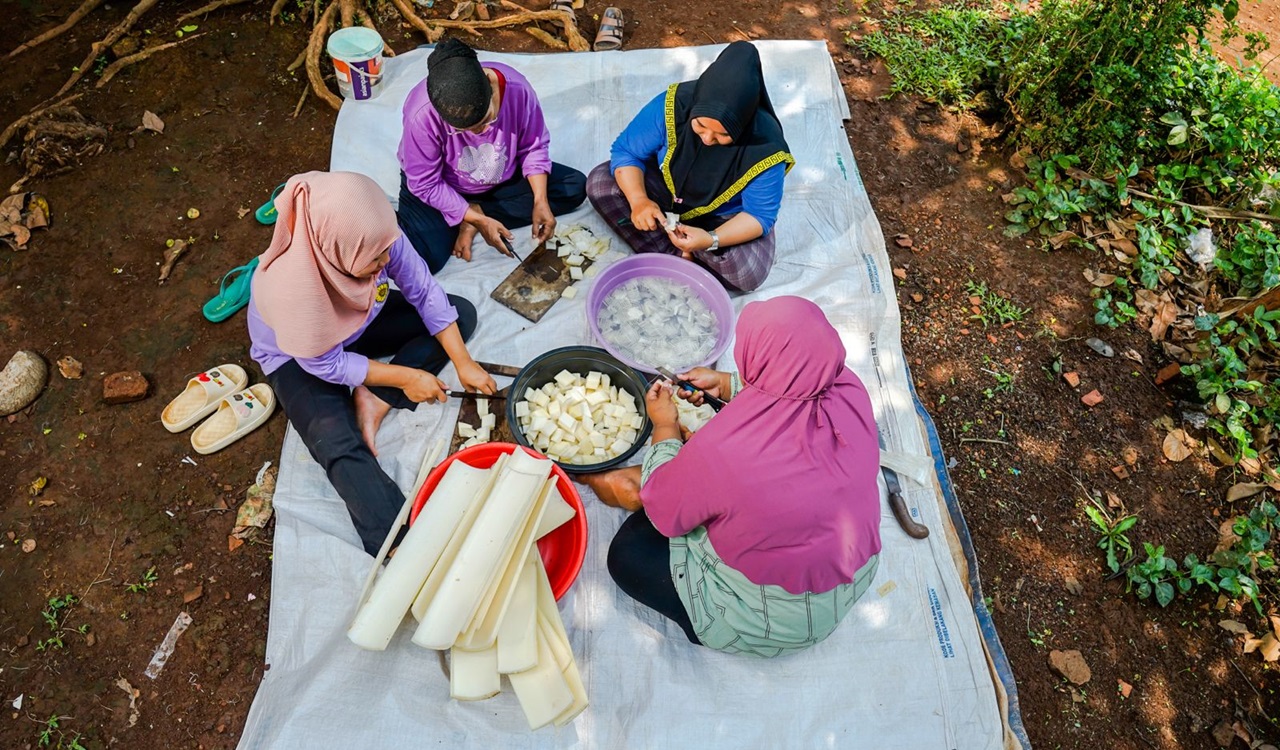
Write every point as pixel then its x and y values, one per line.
pixel 644 142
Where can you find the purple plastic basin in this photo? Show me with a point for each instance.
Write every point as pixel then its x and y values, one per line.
pixel 670 268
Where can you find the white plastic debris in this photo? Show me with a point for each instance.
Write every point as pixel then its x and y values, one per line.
pixel 17 702
pixel 162 654
pixel 1201 250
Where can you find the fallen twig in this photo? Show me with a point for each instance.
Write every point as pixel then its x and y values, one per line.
pixel 314 47
pixel 85 9
pixel 432 29
pixel 1212 212
pixel 111 38
pixel 276 8
pixel 138 57
pixel 21 122
pixel 171 257
pixel 209 9
pixel 983 440
pixel 298 109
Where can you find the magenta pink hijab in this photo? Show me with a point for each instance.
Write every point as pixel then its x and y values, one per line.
pixel 330 225
pixel 784 477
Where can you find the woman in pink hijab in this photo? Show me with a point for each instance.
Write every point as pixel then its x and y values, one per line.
pixel 322 311
pixel 758 535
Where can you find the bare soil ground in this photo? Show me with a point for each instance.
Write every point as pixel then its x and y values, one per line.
pixel 120 499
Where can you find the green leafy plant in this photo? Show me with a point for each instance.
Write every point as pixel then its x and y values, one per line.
pixel 1156 575
pixel 1112 536
pixel 144 585
pixel 51 732
pixel 947 54
pixel 993 308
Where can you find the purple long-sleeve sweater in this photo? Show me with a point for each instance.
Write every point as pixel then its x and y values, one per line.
pixel 443 165
pixel 409 271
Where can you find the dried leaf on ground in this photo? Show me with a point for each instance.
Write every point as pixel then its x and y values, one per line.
pixel 1062 238
pixel 1121 471
pixel 1073 585
pixel 1220 455
pixel 1244 490
pixel 133 694
pixel 242 212
pixel 70 368
pixel 36 487
pixel 1268 646
pixel 1234 626
pixel 1175 445
pixel 1227 537
pixel 1097 278
pixel 1114 501
pixel 152 122
pixel 1166 312
pixel 1146 300
pixel 171 257
pixel 255 511
pixel 193 594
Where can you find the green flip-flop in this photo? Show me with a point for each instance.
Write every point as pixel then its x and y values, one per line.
pixel 266 213
pixel 232 295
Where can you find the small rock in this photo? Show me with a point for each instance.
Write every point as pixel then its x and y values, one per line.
pixel 1092 398
pixel 234 543
pixel 917 297
pixel 1072 378
pixel 1168 372
pixel 1130 455
pixel 21 381
pixel 90 639
pixel 1070 665
pixel 28 545
pixel 70 368
pixel 193 594
pixel 124 387
pixel 902 240
pixel 976 301
pixel 1125 688
pixel 1100 346
pixel 900 274
pixel 23 640
pixel 1120 471
pixel 962 146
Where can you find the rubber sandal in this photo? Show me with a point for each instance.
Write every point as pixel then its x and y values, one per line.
pixel 266 213
pixel 233 294
pixel 202 395
pixel 564 6
pixel 237 416
pixel 609 37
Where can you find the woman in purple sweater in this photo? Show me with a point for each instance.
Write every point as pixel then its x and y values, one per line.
pixel 466 130
pixel 321 313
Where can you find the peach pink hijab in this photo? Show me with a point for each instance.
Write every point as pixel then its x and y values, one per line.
pixel 330 225
pixel 784 478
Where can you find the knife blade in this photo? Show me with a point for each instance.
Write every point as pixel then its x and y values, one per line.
pixel 474 396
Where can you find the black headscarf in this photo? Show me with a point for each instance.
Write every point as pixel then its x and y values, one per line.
pixel 457 85
pixel 732 91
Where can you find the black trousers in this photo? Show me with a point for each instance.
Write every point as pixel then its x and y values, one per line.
pixel 510 202
pixel 640 563
pixel 324 413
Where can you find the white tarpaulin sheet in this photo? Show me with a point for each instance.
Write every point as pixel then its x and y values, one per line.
pixel 907 668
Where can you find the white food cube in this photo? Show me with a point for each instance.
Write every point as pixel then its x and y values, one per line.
pixel 593 380
pixel 567 422
pixel 598 439
pixel 575 273
pixel 591 272
pixel 522 409
pixel 482 406
pixel 465 430
pixel 573 260
pixel 569 292
pixel 565 378
pixel 482 435
pixel 620 446
pixel 488 422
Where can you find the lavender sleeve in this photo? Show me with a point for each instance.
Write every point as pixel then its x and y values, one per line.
pixel 533 147
pixel 337 366
pixel 422 159
pixel 419 287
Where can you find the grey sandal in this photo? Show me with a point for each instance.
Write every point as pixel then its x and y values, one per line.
pixel 609 37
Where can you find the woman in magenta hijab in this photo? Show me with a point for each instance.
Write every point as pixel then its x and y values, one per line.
pixel 759 534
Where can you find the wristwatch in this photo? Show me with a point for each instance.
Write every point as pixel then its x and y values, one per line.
pixel 715 241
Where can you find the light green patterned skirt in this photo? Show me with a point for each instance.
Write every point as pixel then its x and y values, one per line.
pixel 730 613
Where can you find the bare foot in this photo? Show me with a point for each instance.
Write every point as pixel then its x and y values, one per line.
pixel 619 488
pixel 369 413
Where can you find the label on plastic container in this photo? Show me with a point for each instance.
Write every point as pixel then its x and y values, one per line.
pixel 362 75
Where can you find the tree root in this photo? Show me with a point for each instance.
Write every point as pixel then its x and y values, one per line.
pixel 209 9
pixel 433 29
pixel 298 61
pixel 314 48
pixel 546 38
pixel 22 122
pixel 137 57
pixel 367 21
pixel 276 8
pixel 111 38
pixel 347 8
pixel 301 100
pixel 85 9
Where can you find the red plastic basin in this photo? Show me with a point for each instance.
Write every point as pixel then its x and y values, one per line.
pixel 564 549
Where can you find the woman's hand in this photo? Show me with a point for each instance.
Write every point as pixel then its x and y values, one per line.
pixel 662 410
pixel 647 216
pixel 475 379
pixel 544 222
pixel 423 386
pixel 494 232
pixel 706 380
pixel 689 239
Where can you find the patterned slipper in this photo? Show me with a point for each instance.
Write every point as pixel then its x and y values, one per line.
pixel 202 395
pixel 237 416
pixel 609 37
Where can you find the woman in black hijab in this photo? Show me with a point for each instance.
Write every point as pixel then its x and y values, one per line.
pixel 712 152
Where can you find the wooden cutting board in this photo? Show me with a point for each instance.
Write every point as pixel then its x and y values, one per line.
pixel 536 284
pixel 469 413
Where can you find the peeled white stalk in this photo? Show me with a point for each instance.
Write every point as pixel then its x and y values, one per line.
pixel 473 675
pixel 557 514
pixel 551 626
pixel 378 619
pixel 518 634
pixel 497 526
pixel 450 553
pixel 544 695
pixel 483 631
